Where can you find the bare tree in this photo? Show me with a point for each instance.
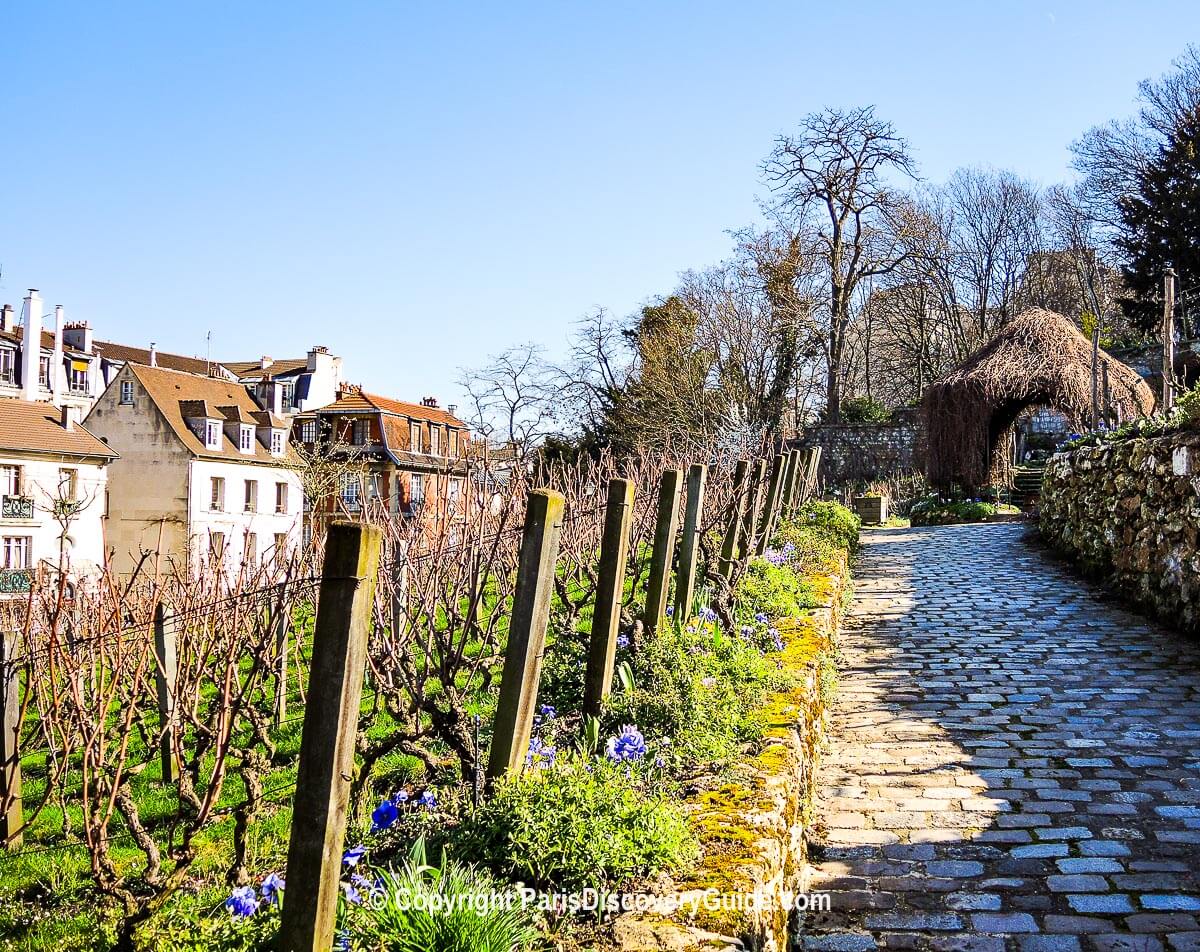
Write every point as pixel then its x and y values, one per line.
pixel 513 398
pixel 831 176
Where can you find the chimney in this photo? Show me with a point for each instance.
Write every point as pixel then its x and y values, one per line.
pixel 78 336
pixel 58 370
pixel 7 323
pixel 31 345
pixel 70 416
pixel 153 355
pixel 451 408
pixel 430 402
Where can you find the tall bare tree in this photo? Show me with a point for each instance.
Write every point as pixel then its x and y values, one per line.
pixel 831 176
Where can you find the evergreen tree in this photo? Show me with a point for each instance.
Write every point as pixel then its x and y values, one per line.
pixel 1161 223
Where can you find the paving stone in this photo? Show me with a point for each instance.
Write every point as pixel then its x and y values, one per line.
pixel 1004 922
pixel 1016 770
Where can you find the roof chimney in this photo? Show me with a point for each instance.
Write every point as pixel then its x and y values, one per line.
pixel 264 362
pixel 31 345
pixel 8 323
pixel 153 355
pixel 70 416
pixel 451 408
pixel 429 402
pixel 58 370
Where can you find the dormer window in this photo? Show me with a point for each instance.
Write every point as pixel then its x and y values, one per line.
pixel 277 442
pixel 435 443
pixel 246 438
pixel 212 434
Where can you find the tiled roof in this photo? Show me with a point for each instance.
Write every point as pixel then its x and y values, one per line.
pixel 353 400
pixel 140 355
pixel 181 395
pixel 18 335
pixel 30 427
pixel 395 438
pixel 254 369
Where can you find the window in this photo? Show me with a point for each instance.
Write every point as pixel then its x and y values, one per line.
pixel 280 543
pixel 454 491
pixel 306 535
pixel 251 495
pixel 216 546
pixel 435 440
pixel 217 502
pixel 416 489
pixel 350 492
pixel 251 548
pixel 44 373
pixel 246 439
pixel 452 443
pixel 360 434
pixel 212 435
pixel 127 392
pixel 68 484
pixel 77 379
pixel 281 497
pixel 10 480
pixel 277 442
pixel 8 365
pixel 414 437
pixel 308 431
pixel 287 393
pixel 16 551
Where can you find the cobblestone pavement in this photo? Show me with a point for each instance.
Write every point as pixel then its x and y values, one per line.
pixel 1015 763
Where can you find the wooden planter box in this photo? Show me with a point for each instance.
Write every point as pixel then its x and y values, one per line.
pixel 872 510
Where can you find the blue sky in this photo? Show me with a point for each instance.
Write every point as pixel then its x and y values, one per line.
pixel 418 186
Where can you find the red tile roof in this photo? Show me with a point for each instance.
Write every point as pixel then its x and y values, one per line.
pixel 179 396
pixel 358 400
pixel 140 355
pixel 28 427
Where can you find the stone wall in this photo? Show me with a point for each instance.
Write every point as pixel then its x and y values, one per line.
pixel 1129 512
pixel 864 451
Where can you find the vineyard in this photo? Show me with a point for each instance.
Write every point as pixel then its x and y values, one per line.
pixel 540 681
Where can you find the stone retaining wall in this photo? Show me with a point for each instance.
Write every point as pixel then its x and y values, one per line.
pixel 864 451
pixel 752 827
pixel 1129 512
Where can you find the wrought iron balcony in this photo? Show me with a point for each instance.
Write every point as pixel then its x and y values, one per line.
pixel 15 581
pixel 16 507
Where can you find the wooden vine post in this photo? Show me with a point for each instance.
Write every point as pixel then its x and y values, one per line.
pixel 165 673
pixel 791 474
pixel 729 547
pixel 11 815
pixel 666 526
pixel 755 493
pixel 527 632
pixel 689 543
pixel 770 513
pixel 314 860
pixel 610 584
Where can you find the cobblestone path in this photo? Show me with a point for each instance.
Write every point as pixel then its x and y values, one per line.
pixel 1015 763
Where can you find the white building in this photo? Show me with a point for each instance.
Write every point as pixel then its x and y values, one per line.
pixel 59 370
pixel 292 385
pixel 53 482
pixel 204 477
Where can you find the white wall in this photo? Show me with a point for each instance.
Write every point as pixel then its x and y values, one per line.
pixel 233 520
pixel 85 535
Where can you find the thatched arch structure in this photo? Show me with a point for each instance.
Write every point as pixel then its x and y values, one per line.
pixel 1039 359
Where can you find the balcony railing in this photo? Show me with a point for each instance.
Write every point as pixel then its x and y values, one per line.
pixel 16 507
pixel 15 581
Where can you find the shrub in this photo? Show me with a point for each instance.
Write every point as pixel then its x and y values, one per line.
pixel 774 590
pixel 864 410
pixel 828 521
pixel 577 823
pixel 933 511
pixel 422 908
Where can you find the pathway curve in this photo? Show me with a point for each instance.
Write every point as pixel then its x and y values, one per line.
pixel 1014 763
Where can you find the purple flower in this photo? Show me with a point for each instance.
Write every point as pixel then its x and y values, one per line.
pixel 352 856
pixel 242 902
pixel 540 754
pixel 776 638
pixel 622 641
pixel 400 799
pixel 341 942
pixel 627 745
pixel 427 800
pixel 353 896
pixel 670 610
pixel 761 618
pixel 271 888
pixel 747 631
pixel 548 712
pixel 707 614
pixel 384 816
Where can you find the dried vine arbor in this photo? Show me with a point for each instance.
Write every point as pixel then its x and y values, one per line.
pixel 1039 359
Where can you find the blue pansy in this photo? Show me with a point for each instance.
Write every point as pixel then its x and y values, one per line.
pixel 384 816
pixel 271 888
pixel 243 901
pixel 627 745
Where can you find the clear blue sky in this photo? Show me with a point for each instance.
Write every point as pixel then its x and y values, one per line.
pixel 418 186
